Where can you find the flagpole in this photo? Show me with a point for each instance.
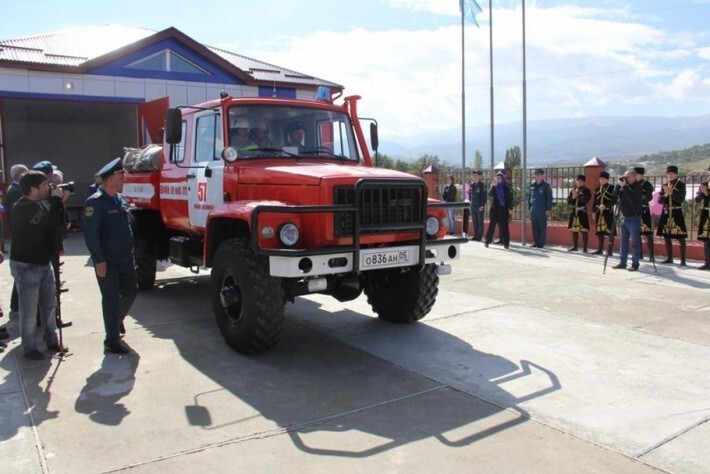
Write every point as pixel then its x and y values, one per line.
pixel 463 99
pixel 525 138
pixel 490 55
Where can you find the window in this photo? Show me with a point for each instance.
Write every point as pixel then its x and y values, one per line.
pixel 179 148
pixel 167 61
pixel 208 138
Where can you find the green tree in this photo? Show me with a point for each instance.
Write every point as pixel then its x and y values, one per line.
pixel 401 165
pixel 383 161
pixel 477 160
pixel 513 156
pixel 425 161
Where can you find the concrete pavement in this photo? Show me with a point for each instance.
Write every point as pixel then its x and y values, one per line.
pixel 530 361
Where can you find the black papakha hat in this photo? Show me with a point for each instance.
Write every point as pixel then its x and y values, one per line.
pixel 113 166
pixel 581 177
pixel 45 167
pixel 672 169
pixel 539 171
pixel 639 170
pixel 604 174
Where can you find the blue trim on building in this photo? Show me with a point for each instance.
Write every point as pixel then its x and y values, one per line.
pixel 83 98
pixel 281 92
pixel 118 67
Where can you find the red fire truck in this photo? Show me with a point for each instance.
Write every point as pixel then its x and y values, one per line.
pixel 280 199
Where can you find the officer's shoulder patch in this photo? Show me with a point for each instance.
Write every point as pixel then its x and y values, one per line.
pixel 89 211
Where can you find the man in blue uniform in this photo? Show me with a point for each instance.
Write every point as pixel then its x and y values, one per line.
pixel 540 206
pixel 109 238
pixel 477 195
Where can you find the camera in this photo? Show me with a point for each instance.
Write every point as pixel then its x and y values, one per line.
pixel 68 187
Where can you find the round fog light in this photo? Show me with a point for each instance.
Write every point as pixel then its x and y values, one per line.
pixel 267 232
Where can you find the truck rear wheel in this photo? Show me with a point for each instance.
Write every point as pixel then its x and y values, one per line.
pixel 248 303
pixel 402 297
pixel 145 269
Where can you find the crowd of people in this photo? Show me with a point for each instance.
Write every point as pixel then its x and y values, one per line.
pixel 622 209
pixel 38 220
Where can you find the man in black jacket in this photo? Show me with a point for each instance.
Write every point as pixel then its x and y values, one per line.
pixel 629 199
pixel 36 217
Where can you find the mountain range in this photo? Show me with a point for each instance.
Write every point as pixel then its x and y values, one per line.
pixel 561 140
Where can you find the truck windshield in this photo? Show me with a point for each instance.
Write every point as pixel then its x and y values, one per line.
pixel 269 130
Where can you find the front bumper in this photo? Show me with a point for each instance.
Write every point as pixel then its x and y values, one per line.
pixel 313 264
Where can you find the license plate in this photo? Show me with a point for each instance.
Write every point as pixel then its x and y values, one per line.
pixel 384 259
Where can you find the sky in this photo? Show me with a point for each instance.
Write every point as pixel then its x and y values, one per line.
pixel 404 57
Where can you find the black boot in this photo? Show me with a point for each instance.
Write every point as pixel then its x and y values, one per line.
pixel 585 241
pixel 669 251
pixel 707 257
pixel 682 253
pixel 600 250
pixel 651 249
pixel 575 239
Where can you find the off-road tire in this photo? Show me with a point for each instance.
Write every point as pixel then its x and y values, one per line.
pixel 248 303
pixel 145 270
pixel 402 297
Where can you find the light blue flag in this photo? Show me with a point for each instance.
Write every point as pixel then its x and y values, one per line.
pixel 472 8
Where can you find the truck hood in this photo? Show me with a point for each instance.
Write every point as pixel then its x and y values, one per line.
pixel 305 174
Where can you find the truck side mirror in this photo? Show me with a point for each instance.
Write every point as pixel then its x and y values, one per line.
pixel 374 140
pixel 173 126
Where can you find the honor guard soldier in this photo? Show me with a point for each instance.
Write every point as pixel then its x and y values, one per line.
pixel 477 196
pixel 646 222
pixel 578 218
pixel 603 210
pixel 109 238
pixel 672 222
pixel 540 206
pixel 703 198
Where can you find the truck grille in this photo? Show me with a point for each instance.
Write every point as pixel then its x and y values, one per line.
pixel 382 207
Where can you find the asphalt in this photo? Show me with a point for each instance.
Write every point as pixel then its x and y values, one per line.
pixel 530 361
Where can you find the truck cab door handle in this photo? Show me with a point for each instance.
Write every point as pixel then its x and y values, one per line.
pixel 191 175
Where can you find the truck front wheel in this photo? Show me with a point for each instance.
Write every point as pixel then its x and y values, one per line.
pixel 248 303
pixel 402 296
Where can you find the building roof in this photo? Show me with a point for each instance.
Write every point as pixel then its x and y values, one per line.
pixel 82 49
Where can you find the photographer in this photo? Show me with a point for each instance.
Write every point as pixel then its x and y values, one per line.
pixel 629 198
pixel 36 219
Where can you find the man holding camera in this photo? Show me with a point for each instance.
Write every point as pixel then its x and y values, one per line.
pixel 36 218
pixel 108 235
pixel 629 199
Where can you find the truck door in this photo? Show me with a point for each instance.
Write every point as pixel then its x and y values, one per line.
pixel 205 180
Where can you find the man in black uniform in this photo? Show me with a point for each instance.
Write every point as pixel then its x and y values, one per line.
pixel 578 218
pixel 109 238
pixel 36 217
pixel 646 222
pixel 703 198
pixel 477 196
pixel 603 209
pixel 672 222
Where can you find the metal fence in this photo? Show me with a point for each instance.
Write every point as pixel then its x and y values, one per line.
pixel 563 180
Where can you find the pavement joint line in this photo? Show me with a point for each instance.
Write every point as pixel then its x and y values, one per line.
pixel 276 431
pixel 673 436
pixel 33 425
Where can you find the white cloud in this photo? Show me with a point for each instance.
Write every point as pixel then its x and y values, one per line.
pixel 580 62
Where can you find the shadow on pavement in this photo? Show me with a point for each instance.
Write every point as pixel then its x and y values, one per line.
pixel 312 384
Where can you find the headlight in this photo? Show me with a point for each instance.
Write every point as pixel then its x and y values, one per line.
pixel 289 234
pixel 432 225
pixel 230 154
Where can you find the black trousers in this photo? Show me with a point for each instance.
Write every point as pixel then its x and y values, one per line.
pixel 499 216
